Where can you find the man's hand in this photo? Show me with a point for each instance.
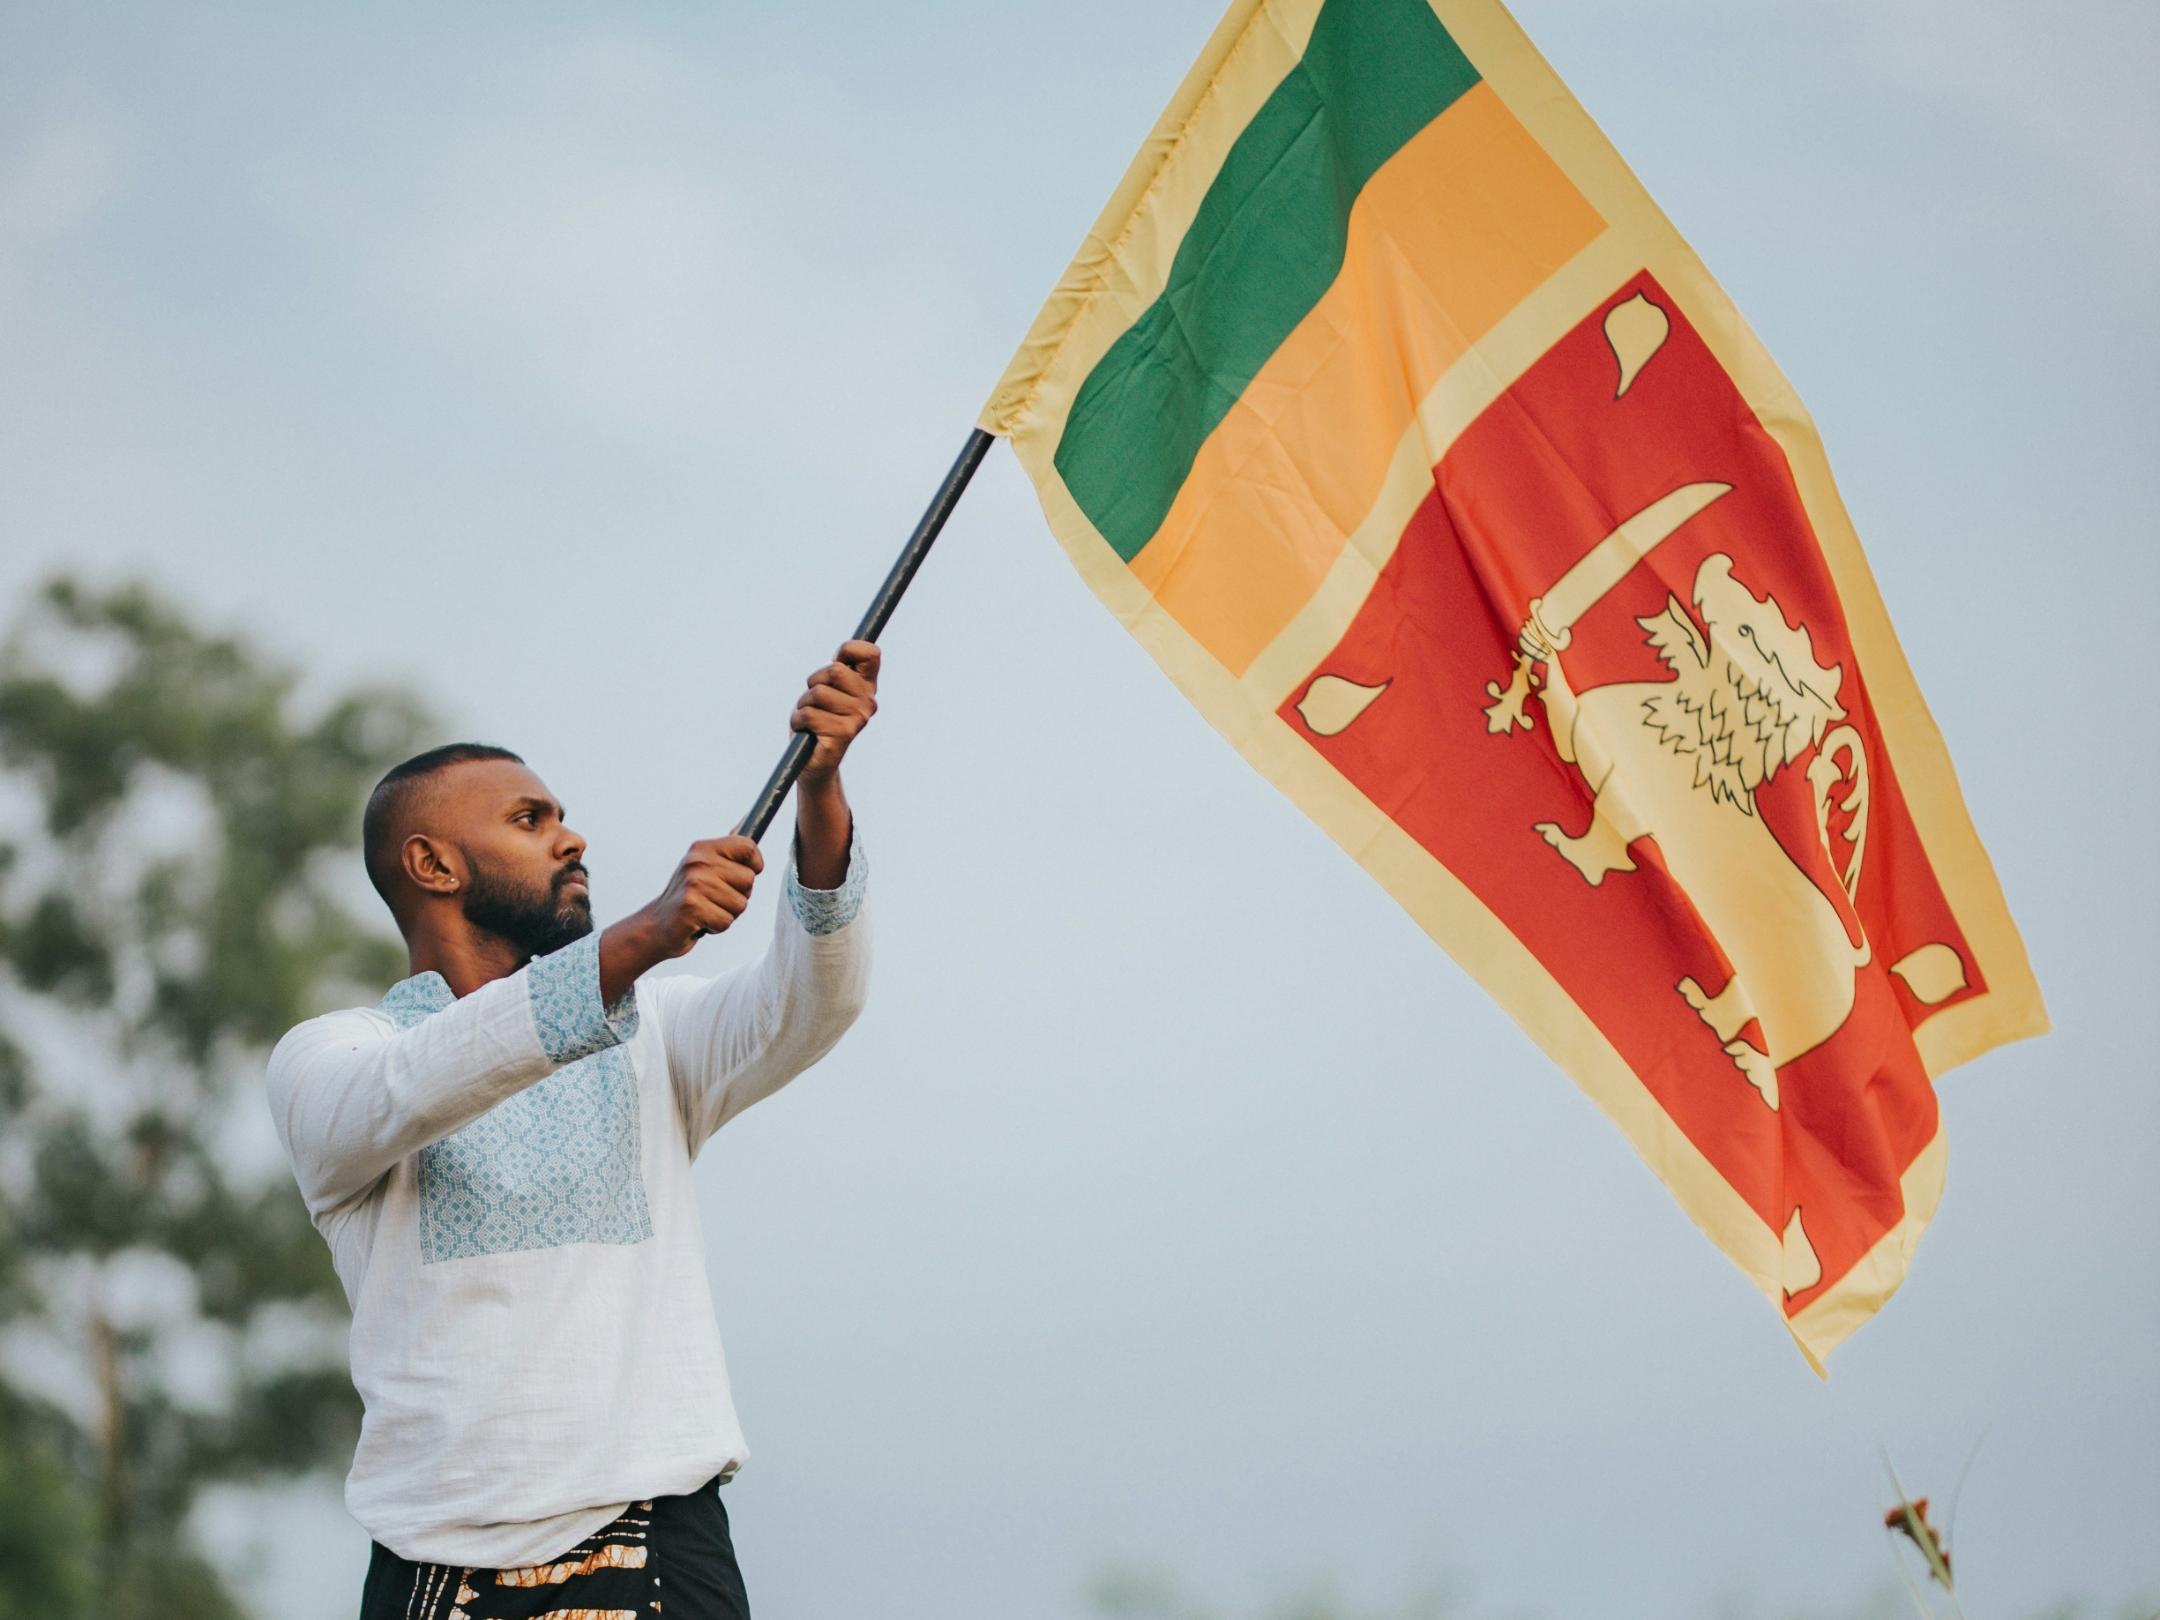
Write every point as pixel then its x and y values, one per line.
pixel 837 702
pixel 710 889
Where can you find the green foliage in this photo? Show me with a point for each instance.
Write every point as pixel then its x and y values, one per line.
pixel 48 1522
pixel 145 1222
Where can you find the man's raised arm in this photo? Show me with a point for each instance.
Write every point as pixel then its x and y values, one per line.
pixel 741 1036
pixel 351 1098
pixel 738 1038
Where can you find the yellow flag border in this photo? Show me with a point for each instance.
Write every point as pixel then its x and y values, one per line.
pixel 1123 266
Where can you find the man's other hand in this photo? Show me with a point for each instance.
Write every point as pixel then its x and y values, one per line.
pixel 837 702
pixel 710 889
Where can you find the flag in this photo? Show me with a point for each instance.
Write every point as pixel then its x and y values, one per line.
pixel 1386 409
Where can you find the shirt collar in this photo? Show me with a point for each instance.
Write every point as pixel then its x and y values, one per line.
pixel 410 1000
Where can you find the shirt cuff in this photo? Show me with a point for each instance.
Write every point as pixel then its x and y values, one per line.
pixel 827 911
pixel 565 991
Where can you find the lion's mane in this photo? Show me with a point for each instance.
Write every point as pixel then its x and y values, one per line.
pixel 1748 698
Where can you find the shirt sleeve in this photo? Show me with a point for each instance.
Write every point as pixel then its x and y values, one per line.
pixel 827 911
pixel 737 1038
pixel 351 1094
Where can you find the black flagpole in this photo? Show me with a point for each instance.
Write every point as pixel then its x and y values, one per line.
pixel 873 622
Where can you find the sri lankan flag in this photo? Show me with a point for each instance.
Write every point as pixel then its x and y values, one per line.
pixel 1388 411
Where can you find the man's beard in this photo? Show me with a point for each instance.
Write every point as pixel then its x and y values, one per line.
pixel 532 924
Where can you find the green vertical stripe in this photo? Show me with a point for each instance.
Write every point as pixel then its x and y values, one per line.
pixel 1265 245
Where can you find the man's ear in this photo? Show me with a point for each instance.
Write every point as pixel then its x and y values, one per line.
pixel 434 867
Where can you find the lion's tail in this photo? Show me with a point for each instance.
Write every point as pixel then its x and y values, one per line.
pixel 1824 774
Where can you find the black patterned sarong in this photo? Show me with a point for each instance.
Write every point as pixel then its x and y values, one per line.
pixel 668 1559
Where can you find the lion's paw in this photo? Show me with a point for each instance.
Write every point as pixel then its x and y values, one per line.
pixel 1593 855
pixel 1756 1068
pixel 1726 1013
pixel 1506 711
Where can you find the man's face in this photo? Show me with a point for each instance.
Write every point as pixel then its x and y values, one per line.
pixel 526 882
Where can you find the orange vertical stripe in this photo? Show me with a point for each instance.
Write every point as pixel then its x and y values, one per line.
pixel 1454 231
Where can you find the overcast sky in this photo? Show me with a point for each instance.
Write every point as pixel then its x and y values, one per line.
pixel 584 367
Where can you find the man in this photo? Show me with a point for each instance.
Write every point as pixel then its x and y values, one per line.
pixel 499 1157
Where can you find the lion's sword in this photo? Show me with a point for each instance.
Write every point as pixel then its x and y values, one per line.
pixel 1552 616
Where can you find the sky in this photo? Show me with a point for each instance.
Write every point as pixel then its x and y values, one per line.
pixel 585 366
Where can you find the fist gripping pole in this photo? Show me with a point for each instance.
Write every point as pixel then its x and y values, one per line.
pixel 801 745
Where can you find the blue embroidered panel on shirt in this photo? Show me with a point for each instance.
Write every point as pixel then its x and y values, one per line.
pixel 554 1164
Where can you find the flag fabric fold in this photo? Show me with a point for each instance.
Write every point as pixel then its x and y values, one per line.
pixel 1386 409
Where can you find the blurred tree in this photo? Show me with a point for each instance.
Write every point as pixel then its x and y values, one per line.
pixel 174 844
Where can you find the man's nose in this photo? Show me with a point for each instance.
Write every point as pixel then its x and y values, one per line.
pixel 570 847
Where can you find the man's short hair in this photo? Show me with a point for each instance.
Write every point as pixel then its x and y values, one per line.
pixel 397 801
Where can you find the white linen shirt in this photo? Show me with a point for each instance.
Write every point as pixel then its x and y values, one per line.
pixel 504 1182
